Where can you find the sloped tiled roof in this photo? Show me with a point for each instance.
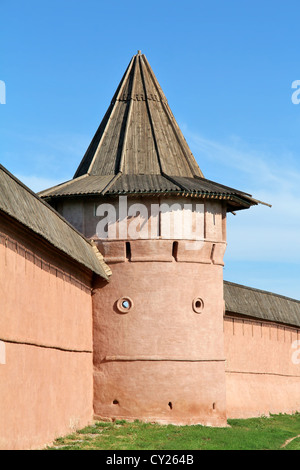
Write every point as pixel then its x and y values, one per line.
pixel 20 203
pixel 260 304
pixel 139 148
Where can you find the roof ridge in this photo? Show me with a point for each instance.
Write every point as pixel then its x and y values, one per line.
pixel 86 155
pixel 122 155
pixel 112 181
pixel 178 183
pixel 151 122
pixel 171 118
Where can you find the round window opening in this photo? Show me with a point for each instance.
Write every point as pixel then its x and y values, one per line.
pixel 124 304
pixel 198 305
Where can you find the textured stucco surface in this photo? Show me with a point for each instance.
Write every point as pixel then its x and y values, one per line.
pixel 262 368
pixel 46 384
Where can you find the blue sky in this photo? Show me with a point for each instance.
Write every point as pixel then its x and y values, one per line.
pixel 226 68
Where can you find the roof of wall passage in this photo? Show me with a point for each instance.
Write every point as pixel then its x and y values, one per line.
pixel 260 304
pixel 22 204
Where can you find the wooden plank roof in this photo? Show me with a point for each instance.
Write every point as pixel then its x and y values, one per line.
pixel 261 305
pixel 139 134
pixel 149 185
pixel 139 148
pixel 20 203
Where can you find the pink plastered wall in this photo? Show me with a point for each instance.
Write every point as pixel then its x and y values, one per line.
pixel 46 341
pixel 163 359
pixel 262 367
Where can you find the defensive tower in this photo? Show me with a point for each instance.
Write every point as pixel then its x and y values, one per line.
pixel 161 227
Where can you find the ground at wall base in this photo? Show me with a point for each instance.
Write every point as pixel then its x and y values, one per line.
pixel 276 432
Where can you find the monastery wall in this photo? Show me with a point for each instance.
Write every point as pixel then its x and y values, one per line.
pixel 46 373
pixel 262 367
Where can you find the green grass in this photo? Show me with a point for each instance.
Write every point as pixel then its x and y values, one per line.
pixel 267 433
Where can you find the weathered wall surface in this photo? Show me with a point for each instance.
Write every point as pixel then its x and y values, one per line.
pixel 45 342
pixel 162 359
pixel 262 368
pixel 144 218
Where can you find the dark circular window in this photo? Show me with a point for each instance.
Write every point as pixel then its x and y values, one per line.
pixel 198 305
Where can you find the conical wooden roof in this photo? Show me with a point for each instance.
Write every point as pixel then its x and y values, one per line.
pixel 139 134
pixel 140 149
